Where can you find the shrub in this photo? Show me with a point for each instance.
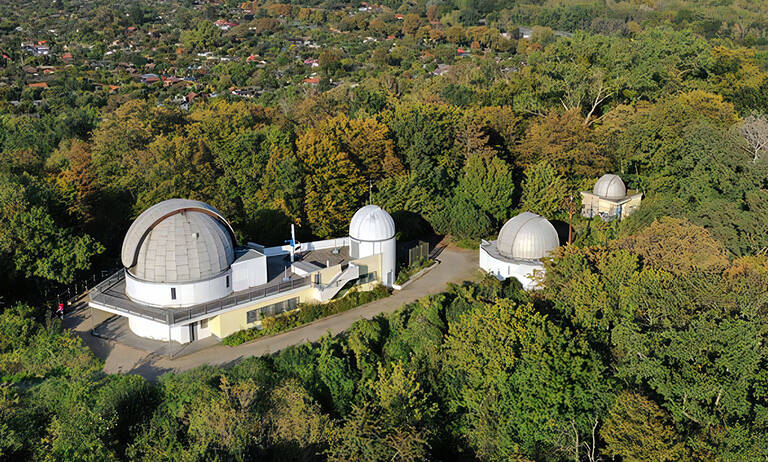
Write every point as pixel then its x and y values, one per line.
pixel 305 314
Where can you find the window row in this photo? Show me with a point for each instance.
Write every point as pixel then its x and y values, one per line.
pixel 271 310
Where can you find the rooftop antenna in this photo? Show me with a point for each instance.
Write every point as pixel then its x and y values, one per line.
pixel 370 192
pixel 293 243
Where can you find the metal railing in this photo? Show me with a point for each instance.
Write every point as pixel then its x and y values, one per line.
pixel 101 295
pixel 257 293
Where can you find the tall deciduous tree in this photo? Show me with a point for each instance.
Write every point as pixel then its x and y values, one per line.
pixel 334 186
pixel 543 190
pixel 33 244
pixel 754 128
pixel 506 370
pixel 564 142
pixel 637 429
pixel 677 246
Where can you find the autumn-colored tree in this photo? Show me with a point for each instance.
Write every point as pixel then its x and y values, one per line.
pixel 456 34
pixel 77 181
pixel 678 246
pixel 564 142
pixel 502 126
pixel 433 12
pixel 472 141
pixel 267 25
pixel 298 430
pixel 411 23
pixel 279 9
pixel 173 167
pixel 334 186
pixel 378 26
pixel 637 429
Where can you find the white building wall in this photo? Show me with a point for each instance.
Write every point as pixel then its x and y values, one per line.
pixel 388 251
pixel 187 294
pixel 157 331
pixel 522 271
pixel 249 273
pixel 307 246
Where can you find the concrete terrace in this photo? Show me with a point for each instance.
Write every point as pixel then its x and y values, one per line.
pixel 111 292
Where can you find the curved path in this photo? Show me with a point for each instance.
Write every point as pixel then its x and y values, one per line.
pixel 456 265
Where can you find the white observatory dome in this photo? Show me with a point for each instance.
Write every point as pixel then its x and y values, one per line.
pixel 371 223
pixel 527 236
pixel 178 240
pixel 610 186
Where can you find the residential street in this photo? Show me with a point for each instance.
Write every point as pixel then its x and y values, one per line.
pixel 456 265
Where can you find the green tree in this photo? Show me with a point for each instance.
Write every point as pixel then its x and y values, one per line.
pixel 507 369
pixel 33 243
pixel 543 190
pixel 298 430
pixel 637 429
pixel 203 37
pixel 483 198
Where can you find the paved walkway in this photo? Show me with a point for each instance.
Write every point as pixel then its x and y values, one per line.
pixel 456 265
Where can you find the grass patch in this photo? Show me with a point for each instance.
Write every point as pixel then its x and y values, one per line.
pixel 414 268
pixel 466 243
pixel 306 313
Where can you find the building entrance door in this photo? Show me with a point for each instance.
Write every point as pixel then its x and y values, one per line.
pixel 193 332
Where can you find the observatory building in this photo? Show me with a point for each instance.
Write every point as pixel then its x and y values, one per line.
pixel 522 243
pixel 186 278
pixel 609 199
pixel 372 232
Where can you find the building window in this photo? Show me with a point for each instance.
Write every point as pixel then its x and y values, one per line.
pixel 204 324
pixel 271 310
pixel 227 281
pixel 173 293
pixel 366 278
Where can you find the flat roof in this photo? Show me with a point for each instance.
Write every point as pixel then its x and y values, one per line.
pixel 277 264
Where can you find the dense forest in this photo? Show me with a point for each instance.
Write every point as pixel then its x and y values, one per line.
pixel 646 341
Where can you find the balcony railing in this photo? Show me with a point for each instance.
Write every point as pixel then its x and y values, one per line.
pixel 107 294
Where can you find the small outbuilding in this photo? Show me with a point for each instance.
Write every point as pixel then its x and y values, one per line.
pixel 609 199
pixel 372 232
pixel 523 242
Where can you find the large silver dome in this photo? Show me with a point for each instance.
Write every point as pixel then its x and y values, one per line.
pixel 526 237
pixel 610 186
pixel 178 240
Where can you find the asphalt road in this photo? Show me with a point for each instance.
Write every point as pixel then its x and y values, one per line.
pixel 456 265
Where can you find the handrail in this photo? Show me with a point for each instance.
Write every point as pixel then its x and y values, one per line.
pixel 173 316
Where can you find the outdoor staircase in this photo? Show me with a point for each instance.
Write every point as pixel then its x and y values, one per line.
pixel 327 291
